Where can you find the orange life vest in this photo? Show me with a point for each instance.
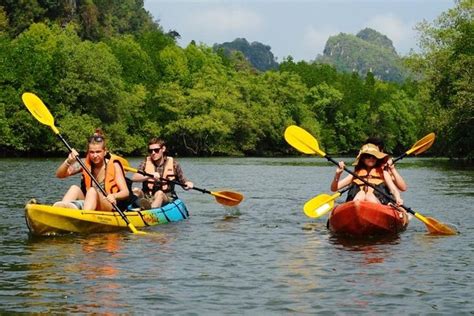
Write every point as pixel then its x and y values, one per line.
pixel 375 177
pixel 168 173
pixel 110 180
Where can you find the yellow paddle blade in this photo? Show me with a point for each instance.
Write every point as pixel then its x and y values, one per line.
pixel 134 230
pixel 320 205
pixel 124 163
pixel 302 141
pixel 436 227
pixel 228 198
pixel 127 167
pixel 422 145
pixel 39 111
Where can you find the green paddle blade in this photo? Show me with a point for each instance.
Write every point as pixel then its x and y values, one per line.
pixel 320 205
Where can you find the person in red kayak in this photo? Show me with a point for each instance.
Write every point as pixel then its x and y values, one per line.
pixel 106 169
pixel 156 191
pixel 369 166
pixel 389 166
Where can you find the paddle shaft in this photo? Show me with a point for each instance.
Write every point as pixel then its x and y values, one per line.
pixel 414 149
pixel 172 181
pixel 116 208
pixel 370 185
pixel 400 157
pixel 344 190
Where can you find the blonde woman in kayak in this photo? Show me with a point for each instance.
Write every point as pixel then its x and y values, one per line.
pixel 105 168
pixel 369 166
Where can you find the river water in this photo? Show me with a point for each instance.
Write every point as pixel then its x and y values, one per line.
pixel 264 257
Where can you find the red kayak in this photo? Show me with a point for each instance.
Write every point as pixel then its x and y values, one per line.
pixel 361 218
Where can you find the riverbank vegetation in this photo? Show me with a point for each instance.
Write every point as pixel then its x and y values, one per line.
pixel 101 64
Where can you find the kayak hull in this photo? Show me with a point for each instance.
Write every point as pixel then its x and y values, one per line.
pixel 44 220
pixel 362 218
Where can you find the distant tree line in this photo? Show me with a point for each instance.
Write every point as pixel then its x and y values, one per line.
pixel 107 64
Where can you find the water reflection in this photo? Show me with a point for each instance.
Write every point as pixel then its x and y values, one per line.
pixel 372 248
pixel 266 258
pixel 81 268
pixel 87 272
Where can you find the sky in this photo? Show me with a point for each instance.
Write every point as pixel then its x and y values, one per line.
pixel 298 28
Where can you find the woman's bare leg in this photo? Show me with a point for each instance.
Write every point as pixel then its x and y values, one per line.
pixel 370 196
pixel 159 199
pixel 91 200
pixel 103 204
pixel 360 196
pixel 74 193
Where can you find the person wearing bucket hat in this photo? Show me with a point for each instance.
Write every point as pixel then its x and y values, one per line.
pixel 389 166
pixel 369 166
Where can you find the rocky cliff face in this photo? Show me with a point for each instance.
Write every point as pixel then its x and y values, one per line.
pixel 258 54
pixel 367 51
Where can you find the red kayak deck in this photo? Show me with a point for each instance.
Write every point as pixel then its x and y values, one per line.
pixel 361 218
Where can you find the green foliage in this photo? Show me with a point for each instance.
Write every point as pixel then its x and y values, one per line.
pixel 77 129
pixel 152 42
pixel 96 19
pixel 312 74
pixel 6 135
pixel 105 64
pixel 3 20
pixel 447 66
pixel 136 64
pixel 21 14
pixel 173 64
pixel 92 81
pixel 203 134
pixel 121 141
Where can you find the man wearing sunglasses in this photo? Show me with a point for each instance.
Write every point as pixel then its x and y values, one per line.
pixel 158 190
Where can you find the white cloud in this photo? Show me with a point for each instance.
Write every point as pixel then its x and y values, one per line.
pixel 400 32
pixel 315 39
pixel 226 19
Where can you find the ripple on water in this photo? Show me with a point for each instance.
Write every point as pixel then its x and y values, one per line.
pixel 266 257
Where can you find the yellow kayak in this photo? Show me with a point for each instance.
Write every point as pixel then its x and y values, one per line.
pixel 47 220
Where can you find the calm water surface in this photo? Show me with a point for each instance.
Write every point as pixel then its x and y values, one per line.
pixel 264 257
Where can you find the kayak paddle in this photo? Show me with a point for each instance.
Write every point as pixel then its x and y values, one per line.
pixel 227 198
pixel 41 113
pixel 323 203
pixel 304 142
pixel 419 147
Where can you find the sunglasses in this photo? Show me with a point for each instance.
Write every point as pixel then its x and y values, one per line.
pixel 96 138
pixel 154 150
